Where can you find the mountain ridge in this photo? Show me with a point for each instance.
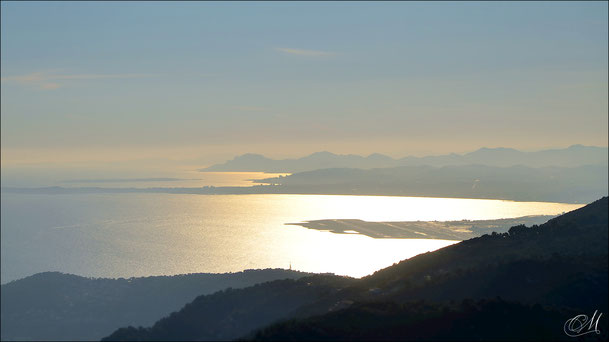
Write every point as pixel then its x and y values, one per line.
pixel 574 155
pixel 57 306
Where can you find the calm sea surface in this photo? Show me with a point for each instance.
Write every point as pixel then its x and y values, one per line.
pixel 125 235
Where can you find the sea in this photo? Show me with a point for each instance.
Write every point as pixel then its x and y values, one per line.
pixel 127 235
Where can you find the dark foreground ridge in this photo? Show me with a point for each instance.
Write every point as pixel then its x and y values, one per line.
pixel 520 285
pixel 468 320
pixel 56 306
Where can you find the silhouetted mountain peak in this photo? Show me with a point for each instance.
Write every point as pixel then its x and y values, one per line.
pixel 321 155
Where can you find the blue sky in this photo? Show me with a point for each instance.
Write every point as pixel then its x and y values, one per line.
pixel 112 81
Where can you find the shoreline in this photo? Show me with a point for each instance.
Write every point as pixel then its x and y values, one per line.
pixel 267 190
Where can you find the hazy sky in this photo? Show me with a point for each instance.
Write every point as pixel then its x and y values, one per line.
pixel 84 81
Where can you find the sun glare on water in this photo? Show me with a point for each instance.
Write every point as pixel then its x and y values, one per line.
pixel 125 235
pixel 264 238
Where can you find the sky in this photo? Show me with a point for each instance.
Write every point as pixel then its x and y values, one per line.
pixel 201 82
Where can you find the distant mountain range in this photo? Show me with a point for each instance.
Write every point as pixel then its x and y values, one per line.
pixel 576 155
pixel 524 284
pixel 577 174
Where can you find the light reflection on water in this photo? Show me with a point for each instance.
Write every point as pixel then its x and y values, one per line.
pixel 124 235
pixel 181 179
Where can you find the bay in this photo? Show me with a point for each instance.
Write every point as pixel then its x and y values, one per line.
pixel 128 235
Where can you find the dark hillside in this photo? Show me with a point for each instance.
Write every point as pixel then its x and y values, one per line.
pixel 57 306
pixel 549 273
pixel 483 320
pixel 544 275
pixel 581 232
pixel 229 314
